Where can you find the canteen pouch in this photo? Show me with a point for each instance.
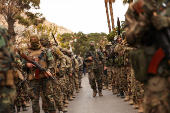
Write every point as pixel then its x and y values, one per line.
pixel 139 64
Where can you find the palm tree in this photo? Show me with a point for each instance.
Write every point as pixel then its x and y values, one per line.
pixel 108 20
pixel 111 13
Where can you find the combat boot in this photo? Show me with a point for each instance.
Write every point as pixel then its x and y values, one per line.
pixel 27 104
pixel 77 89
pixel 66 105
pixel 100 93
pixel 110 87
pixel 122 94
pixel 74 94
pixel 104 87
pixel 127 96
pixel 130 102
pixel 94 92
pixel 135 105
pixel 64 109
pixel 114 91
pixel 140 101
pixel 70 97
pixel 66 101
pixel 80 85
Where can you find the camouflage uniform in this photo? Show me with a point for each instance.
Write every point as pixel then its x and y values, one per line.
pixel 157 90
pixel 57 92
pixel 19 83
pixel 7 87
pixel 37 79
pixel 93 70
pixel 80 72
pixel 108 64
pixel 60 74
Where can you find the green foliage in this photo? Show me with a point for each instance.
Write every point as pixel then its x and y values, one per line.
pixel 83 40
pixel 14 10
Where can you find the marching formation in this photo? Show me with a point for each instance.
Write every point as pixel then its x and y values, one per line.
pixel 135 66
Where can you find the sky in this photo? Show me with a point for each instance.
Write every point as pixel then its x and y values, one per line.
pixel 88 16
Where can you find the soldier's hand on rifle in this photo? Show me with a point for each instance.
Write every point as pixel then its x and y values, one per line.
pixel 90 58
pixel 47 74
pixel 30 65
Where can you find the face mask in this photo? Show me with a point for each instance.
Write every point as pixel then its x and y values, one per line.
pixel 44 43
pixel 92 47
pixel 34 45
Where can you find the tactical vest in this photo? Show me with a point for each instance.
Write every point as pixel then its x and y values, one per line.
pixel 42 62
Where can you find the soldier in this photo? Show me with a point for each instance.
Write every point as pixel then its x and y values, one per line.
pixel 19 83
pixel 58 94
pixel 93 69
pixel 146 31
pixel 7 87
pixel 60 74
pixel 40 79
pixel 108 66
pixel 80 72
pixel 69 77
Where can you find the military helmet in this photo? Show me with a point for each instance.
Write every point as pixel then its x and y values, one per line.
pixel 34 36
pixel 91 42
pixel 44 37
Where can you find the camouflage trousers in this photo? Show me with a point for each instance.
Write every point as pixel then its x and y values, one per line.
pixel 76 80
pixel 44 85
pixel 157 95
pixel 20 100
pixel 117 78
pixel 109 75
pixel 80 74
pixel 113 78
pixel 94 76
pixel 58 96
pixel 62 82
pixel 129 84
pixel 123 79
pixel 7 97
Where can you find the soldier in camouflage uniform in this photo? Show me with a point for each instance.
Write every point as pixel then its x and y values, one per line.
pixel 75 68
pixel 58 94
pixel 60 74
pixel 19 82
pixel 149 37
pixel 80 72
pixel 7 87
pixel 108 67
pixel 38 80
pixel 69 77
pixel 93 69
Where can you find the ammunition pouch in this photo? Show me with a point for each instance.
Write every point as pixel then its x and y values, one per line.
pixel 9 78
pixel 139 64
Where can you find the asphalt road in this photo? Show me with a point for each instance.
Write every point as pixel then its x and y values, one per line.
pixel 85 103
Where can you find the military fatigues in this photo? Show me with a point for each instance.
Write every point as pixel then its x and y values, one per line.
pixel 80 72
pixel 93 70
pixel 151 68
pixel 37 79
pixel 7 87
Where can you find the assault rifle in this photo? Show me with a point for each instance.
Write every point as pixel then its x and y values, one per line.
pixel 162 38
pixel 94 58
pixel 23 55
pixel 54 39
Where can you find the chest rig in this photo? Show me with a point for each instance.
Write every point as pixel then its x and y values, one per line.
pixel 34 72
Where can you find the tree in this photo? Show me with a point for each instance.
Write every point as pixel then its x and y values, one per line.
pixel 111 13
pixel 14 10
